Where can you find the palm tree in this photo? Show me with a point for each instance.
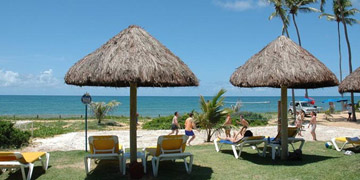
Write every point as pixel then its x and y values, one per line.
pixel 211 113
pixel 337 17
pixel 282 13
pixel 342 5
pixel 300 5
pixel 100 109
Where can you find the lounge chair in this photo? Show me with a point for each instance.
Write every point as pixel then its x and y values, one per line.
pixel 24 160
pixel 355 141
pixel 169 148
pixel 104 147
pixel 252 141
pixel 275 142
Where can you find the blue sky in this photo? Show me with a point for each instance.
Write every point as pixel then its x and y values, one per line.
pixel 40 40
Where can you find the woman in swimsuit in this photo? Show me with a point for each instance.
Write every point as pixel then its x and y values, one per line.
pixel 313 125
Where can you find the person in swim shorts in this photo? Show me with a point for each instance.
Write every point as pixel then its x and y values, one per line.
pixel 175 124
pixel 189 126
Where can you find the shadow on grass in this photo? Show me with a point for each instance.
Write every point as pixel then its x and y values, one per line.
pixel 37 172
pixel 255 158
pixel 167 170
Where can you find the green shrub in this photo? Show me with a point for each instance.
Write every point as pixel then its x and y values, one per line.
pixel 164 122
pixel 254 119
pixel 10 137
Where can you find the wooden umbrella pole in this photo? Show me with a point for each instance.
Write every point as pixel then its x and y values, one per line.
pixel 133 109
pixel 284 124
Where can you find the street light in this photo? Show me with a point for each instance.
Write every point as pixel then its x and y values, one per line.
pixel 86 99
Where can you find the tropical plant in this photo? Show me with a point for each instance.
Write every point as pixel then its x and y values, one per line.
pixel 212 114
pixel 300 5
pixel 342 13
pixel 284 16
pixel 100 109
pixel 337 17
pixel 282 13
pixel 343 4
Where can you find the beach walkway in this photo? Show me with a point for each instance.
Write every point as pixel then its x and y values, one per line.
pixel 145 138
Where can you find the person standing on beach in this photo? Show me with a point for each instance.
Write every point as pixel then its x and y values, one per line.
pixel 227 125
pixel 313 125
pixel 349 109
pixel 244 123
pixel 189 125
pixel 175 124
pixel 298 122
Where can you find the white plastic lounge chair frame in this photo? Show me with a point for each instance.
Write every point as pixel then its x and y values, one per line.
pixel 172 154
pixel 347 140
pixel 101 154
pixel 22 166
pixel 243 143
pixel 291 140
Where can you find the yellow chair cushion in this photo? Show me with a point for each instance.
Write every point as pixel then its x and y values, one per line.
pixel 103 143
pixel 27 157
pixel 31 157
pixel 168 143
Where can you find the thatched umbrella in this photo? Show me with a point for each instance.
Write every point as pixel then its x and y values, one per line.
pixel 283 64
pixel 131 58
pixel 351 84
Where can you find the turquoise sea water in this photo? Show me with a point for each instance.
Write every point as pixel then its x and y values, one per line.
pixel 147 105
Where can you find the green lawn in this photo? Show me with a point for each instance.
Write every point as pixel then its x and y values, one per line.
pixel 318 163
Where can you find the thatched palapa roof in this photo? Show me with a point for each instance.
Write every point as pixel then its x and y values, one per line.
pixel 283 63
pixel 132 56
pixel 351 83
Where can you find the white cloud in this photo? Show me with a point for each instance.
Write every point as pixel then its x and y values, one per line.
pixel 241 5
pixel 8 78
pixel 14 79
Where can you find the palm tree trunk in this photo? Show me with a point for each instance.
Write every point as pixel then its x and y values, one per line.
pixel 208 135
pixel 299 40
pixel 349 52
pixel 297 30
pixel 292 90
pixel 340 61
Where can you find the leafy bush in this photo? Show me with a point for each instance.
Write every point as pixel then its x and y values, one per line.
pixel 254 119
pixel 10 137
pixel 164 122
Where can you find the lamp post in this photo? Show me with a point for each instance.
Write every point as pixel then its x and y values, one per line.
pixel 86 99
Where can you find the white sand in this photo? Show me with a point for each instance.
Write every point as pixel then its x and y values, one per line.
pixel 76 140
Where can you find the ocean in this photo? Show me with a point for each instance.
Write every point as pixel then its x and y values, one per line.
pixel 152 106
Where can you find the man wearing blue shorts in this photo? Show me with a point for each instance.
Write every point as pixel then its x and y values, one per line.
pixel 189 125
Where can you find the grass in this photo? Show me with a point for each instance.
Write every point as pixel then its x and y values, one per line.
pixel 318 163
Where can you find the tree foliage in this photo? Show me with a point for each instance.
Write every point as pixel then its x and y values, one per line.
pixel 212 113
pixel 100 109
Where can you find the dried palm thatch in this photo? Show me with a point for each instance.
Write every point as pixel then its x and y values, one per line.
pixel 351 83
pixel 283 63
pixel 132 56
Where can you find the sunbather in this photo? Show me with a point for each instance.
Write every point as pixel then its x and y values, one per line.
pixel 237 136
pixel 244 123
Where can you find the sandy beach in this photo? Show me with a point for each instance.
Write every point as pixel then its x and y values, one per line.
pixel 335 126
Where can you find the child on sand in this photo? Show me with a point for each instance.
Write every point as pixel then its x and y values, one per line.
pixel 175 124
pixel 227 125
pixel 313 125
pixel 298 122
pixel 244 123
pixel 189 125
